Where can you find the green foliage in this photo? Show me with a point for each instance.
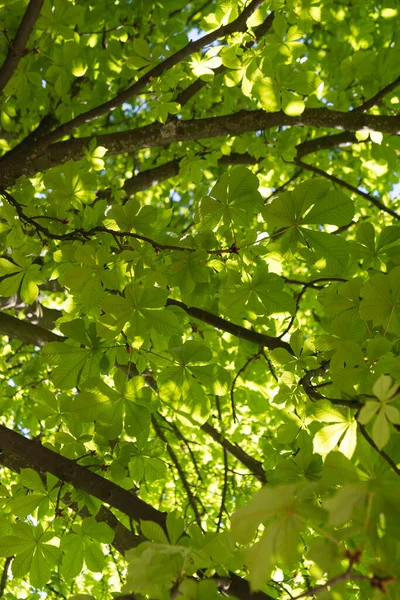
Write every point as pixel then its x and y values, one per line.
pixel 200 300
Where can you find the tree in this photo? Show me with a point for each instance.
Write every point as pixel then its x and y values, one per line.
pixel 200 299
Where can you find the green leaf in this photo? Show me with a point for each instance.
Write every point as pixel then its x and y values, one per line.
pixel 381 300
pixel 381 430
pixel 72 562
pixel 344 504
pixel 333 250
pixel 31 479
pixel 335 208
pixel 154 532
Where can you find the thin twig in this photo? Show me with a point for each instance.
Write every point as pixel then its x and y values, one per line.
pixel 241 370
pixel 224 489
pixel 181 437
pixel 378 96
pixel 375 581
pixel 382 453
pixel 190 496
pixel 349 187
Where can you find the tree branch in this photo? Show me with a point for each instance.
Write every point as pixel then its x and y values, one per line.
pixel 239 24
pixel 190 496
pixel 124 538
pixel 378 96
pixel 155 175
pixel 4 575
pixel 17 46
pixel 382 453
pixel 326 142
pixel 254 337
pixel 26 332
pixel 158 134
pixel 187 94
pixel 253 465
pixel 44 459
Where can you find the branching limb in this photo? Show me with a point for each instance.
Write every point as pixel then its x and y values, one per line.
pixel 239 24
pixel 157 134
pixel 17 46
pixel 41 458
pixel 311 390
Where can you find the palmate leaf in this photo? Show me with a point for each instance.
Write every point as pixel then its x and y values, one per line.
pixel 341 431
pixel 23 276
pixel 332 249
pixel 263 295
pixel 345 502
pixel 111 410
pixel 203 311
pixel 180 390
pixel 232 199
pixel 314 202
pixel 33 554
pixel 265 504
pixel 71 363
pixel 381 300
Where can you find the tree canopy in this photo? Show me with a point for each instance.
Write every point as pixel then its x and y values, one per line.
pixel 200 299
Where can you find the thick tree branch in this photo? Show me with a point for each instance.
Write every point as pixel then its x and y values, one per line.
pixel 158 134
pixel 26 332
pixel 254 337
pixel 124 538
pixel 82 478
pixel 36 313
pixel 17 46
pixel 239 24
pixel 42 459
